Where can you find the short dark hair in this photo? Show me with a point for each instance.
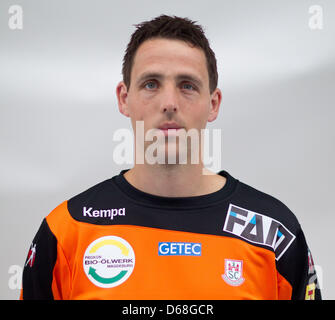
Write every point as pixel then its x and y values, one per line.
pixel 170 27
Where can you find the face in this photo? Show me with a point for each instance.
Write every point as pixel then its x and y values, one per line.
pixel 169 88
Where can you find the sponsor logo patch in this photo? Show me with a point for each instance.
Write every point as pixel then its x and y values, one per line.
pixel 31 255
pixel 310 291
pixel 258 228
pixel 103 213
pixel 311 269
pixel 109 261
pixel 233 272
pixel 179 249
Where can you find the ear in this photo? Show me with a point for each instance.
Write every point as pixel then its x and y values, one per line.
pixel 215 103
pixel 122 98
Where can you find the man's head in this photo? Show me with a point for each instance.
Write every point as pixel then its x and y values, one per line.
pixel 170 77
pixel 170 28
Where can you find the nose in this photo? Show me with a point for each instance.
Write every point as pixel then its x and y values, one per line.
pixel 169 102
pixel 169 108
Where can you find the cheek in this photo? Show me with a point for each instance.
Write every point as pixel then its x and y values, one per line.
pixel 136 108
pixel 140 110
pixel 199 114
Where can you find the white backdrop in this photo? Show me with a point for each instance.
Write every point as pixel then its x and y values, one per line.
pixel 58 109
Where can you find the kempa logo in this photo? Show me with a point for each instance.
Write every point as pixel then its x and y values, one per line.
pixel 258 228
pixel 103 213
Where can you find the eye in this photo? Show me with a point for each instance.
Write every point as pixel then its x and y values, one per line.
pixel 188 86
pixel 150 85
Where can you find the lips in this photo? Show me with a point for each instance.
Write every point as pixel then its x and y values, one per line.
pixel 169 128
pixel 169 125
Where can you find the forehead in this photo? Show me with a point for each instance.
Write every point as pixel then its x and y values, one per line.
pixel 169 57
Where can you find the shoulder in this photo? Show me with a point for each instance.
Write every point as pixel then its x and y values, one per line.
pixel 101 195
pixel 267 205
pixel 262 219
pixel 97 192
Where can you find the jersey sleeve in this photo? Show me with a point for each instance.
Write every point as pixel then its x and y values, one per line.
pixel 37 278
pixel 297 267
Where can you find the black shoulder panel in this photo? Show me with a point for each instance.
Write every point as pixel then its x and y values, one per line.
pixel 98 204
pixel 293 257
pixel 264 203
pixel 39 265
pixel 298 268
pixel 261 219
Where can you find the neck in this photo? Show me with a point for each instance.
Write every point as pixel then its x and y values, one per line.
pixel 174 180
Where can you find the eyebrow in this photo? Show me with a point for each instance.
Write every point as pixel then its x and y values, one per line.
pixel 180 77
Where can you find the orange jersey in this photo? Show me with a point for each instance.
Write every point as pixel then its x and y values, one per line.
pixel 114 241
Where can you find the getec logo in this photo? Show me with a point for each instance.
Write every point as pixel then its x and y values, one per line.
pixel 179 249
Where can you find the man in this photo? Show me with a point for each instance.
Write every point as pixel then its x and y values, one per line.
pixel 164 229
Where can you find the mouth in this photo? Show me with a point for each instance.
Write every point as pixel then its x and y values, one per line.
pixel 170 128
